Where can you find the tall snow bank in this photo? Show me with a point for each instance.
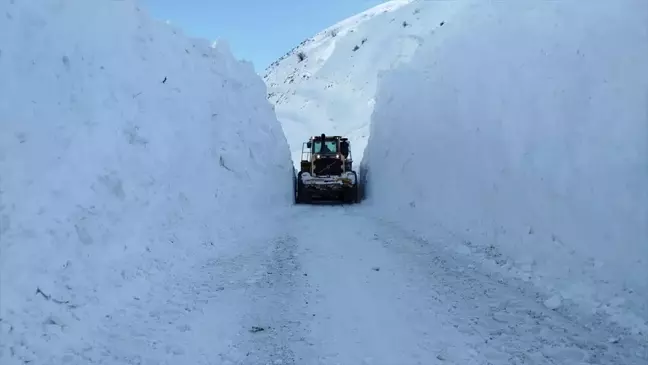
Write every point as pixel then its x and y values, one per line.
pixel 127 153
pixel 519 133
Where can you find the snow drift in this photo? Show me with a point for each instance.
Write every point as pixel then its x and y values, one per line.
pixel 521 131
pixel 127 154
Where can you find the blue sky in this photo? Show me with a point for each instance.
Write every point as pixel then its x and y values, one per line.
pixel 256 30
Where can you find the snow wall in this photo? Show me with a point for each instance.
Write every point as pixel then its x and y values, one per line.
pixel 520 130
pixel 127 151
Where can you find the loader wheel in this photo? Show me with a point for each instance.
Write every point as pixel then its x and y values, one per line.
pixel 351 195
pixel 356 194
pixel 294 179
pixel 303 196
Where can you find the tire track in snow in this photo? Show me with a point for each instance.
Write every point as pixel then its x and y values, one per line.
pixel 508 314
pixel 364 309
pixel 276 312
pixel 204 312
pixel 382 296
pixel 190 312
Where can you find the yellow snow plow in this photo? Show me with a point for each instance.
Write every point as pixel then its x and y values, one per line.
pixel 326 171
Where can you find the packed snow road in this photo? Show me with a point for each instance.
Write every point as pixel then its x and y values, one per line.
pixel 337 286
pixel 344 288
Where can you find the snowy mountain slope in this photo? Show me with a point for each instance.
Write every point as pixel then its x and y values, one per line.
pixel 521 131
pixel 131 157
pixel 332 89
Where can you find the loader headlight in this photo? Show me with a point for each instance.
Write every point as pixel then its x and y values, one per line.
pixel 349 178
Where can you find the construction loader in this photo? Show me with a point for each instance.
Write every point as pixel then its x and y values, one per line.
pixel 326 171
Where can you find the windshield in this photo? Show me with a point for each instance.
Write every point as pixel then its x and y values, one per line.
pixel 329 147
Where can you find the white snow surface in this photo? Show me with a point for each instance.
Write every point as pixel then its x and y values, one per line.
pixel 131 159
pixel 143 218
pixel 332 90
pixel 520 129
pixel 379 294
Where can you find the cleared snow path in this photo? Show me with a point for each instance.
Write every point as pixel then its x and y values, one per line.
pixel 340 287
pixel 343 288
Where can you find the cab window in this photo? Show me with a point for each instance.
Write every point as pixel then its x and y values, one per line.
pixel 329 147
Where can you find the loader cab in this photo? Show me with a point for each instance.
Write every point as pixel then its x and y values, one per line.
pixel 325 147
pixel 326 155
